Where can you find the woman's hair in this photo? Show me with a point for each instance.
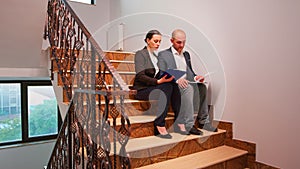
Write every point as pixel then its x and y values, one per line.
pixel 150 34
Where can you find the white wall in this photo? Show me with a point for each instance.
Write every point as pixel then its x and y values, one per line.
pixel 93 16
pixel 22 25
pixel 258 45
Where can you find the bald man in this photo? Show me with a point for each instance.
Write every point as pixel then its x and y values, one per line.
pixel 176 57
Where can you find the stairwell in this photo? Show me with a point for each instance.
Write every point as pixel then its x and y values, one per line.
pixel 211 150
pixel 104 126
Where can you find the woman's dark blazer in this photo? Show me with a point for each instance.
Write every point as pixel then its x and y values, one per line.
pixel 145 71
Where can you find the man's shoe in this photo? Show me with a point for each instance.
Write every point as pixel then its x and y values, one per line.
pixel 208 127
pixel 195 131
pixel 177 130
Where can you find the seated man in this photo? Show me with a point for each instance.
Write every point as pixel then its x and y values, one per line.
pixel 176 58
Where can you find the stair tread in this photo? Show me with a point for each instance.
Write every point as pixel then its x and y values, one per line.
pixel 201 159
pixel 118 52
pixel 124 72
pixel 118 101
pixel 142 143
pixel 127 101
pixel 122 61
pixel 138 119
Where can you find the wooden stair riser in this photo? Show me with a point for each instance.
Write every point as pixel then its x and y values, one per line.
pixel 124 56
pixel 236 163
pixel 126 63
pixel 112 55
pixel 145 129
pixel 66 64
pixel 123 66
pixel 128 78
pixel 131 108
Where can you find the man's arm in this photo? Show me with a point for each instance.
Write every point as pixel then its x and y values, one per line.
pixel 188 62
pixel 162 64
pixel 197 78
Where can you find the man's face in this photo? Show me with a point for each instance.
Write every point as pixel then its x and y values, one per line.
pixel 178 42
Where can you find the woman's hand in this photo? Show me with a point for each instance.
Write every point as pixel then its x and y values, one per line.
pixel 164 79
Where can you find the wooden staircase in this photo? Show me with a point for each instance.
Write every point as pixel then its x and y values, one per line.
pixel 211 150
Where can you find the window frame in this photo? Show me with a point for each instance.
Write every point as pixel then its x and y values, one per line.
pixel 24 112
pixel 92 2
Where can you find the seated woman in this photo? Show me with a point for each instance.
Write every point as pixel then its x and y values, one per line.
pixel 149 83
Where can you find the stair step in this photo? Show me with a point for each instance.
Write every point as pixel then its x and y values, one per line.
pixel 132 107
pixel 151 149
pixel 142 125
pixel 139 119
pixel 143 143
pixel 109 86
pixel 122 61
pixel 201 159
pixel 119 55
pixel 97 60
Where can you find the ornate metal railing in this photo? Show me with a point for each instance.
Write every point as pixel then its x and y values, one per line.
pixel 89 137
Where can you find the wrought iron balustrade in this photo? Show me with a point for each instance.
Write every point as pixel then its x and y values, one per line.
pixel 89 137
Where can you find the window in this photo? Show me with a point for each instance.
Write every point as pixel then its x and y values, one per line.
pixel 28 112
pixel 10 112
pixel 92 2
pixel 42 116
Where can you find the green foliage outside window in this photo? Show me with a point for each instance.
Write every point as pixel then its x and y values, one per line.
pixel 43 121
pixel 43 118
pixel 10 129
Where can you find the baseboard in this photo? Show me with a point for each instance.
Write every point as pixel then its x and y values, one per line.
pixel 258 165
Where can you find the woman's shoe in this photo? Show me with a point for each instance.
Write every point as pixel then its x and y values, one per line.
pixel 156 133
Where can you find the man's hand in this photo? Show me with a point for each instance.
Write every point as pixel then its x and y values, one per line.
pixel 164 79
pixel 199 78
pixel 182 83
